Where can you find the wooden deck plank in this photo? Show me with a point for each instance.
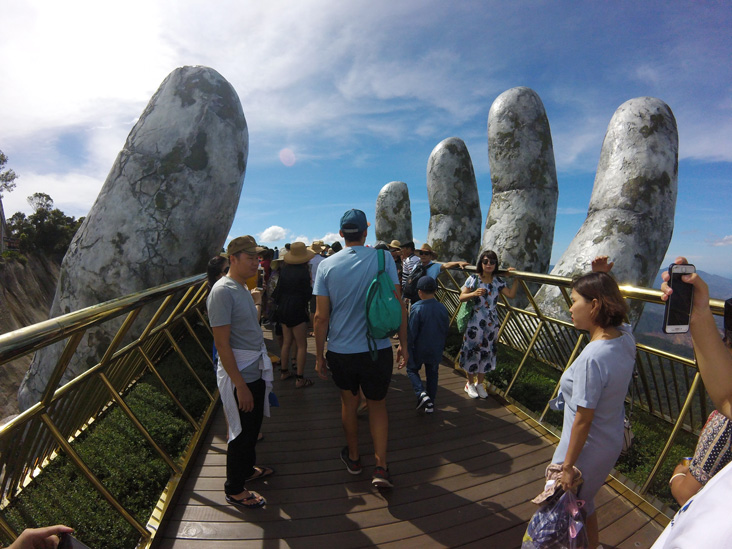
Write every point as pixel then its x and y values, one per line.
pixel 463 477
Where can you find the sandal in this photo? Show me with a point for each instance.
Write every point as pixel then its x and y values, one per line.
pixel 285 374
pixel 303 382
pixel 261 472
pixel 254 501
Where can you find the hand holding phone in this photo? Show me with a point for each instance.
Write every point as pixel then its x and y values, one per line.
pixel 678 305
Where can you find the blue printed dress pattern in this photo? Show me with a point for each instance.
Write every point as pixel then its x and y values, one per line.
pixel 478 353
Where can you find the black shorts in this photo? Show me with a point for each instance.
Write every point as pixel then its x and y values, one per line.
pixel 357 370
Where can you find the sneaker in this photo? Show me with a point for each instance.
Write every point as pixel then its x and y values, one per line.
pixel 422 400
pixel 429 408
pixel 482 393
pixel 471 390
pixel 353 465
pixel 381 478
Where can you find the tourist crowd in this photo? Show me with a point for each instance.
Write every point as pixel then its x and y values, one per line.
pixel 320 291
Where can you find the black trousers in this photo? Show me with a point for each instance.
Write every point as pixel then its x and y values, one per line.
pixel 241 456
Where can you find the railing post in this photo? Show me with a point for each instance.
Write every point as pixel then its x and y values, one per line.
pixel 188 364
pixel 91 477
pixel 136 422
pixel 526 356
pixel 677 425
pixel 572 356
pixel 61 365
pixel 178 403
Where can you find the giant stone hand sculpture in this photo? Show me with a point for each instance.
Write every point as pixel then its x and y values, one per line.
pixel 631 213
pixel 164 210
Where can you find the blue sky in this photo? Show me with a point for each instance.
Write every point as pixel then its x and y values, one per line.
pixel 360 92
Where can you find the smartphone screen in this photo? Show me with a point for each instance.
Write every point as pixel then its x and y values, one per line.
pixel 678 306
pixel 67 541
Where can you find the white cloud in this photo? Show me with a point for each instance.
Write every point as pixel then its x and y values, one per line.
pixel 73 193
pixel 70 67
pixel 275 233
pixel 724 241
pixel 302 238
pixel 329 238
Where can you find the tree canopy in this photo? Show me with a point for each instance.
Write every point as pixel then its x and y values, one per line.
pixel 7 176
pixel 46 230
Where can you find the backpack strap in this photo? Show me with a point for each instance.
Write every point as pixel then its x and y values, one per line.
pixel 369 340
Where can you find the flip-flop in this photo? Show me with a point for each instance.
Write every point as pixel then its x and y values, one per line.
pixel 306 382
pixel 261 472
pixel 254 501
pixel 285 374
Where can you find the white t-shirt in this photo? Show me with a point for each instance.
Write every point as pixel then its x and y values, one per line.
pixel 704 520
pixel 314 262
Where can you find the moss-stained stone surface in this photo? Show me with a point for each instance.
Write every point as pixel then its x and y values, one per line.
pixel 631 212
pixel 454 228
pixel 164 210
pixel 393 213
pixel 519 226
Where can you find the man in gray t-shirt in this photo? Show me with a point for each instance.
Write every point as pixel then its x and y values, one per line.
pixel 234 316
pixel 231 304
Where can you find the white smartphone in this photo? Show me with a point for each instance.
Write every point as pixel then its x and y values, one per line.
pixel 678 306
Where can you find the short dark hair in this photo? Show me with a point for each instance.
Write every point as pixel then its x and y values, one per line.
pixel 336 246
pixel 490 254
pixel 409 245
pixel 352 237
pixel 602 287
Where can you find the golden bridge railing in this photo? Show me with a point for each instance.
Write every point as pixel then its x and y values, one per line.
pixel 667 386
pixel 32 440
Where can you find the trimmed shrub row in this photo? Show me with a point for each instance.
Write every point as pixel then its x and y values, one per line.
pixel 120 457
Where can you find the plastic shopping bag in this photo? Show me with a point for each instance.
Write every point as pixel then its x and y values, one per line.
pixel 558 524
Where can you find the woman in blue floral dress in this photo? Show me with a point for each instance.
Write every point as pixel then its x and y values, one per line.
pixel 478 353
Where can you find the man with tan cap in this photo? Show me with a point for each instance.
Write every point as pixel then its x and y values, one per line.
pixel 395 247
pixel 244 370
pixel 428 267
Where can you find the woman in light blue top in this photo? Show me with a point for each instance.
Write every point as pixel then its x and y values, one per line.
pixel 594 389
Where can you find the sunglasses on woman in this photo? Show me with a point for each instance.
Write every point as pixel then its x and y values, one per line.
pixel 487 261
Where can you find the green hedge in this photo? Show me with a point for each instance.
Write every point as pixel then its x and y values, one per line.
pixel 120 457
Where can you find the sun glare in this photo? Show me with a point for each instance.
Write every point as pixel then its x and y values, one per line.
pixel 287 157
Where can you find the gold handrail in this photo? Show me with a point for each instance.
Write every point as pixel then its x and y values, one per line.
pixel 33 439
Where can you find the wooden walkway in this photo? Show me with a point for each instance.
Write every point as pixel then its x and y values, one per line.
pixel 463 478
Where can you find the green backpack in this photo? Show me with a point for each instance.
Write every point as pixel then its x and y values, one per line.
pixel 383 308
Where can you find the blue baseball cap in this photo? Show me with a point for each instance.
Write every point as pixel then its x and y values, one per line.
pixel 427 284
pixel 354 222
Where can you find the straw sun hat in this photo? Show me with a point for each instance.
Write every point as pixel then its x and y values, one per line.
pixel 298 254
